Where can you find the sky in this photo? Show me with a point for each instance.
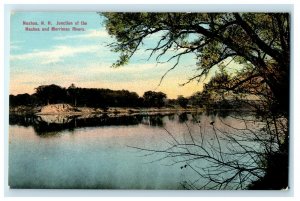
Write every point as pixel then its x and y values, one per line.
pixel 83 58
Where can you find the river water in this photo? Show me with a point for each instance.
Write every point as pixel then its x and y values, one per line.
pixel 116 152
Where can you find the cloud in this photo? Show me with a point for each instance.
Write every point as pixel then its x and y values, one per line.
pixel 16 42
pixel 56 54
pixel 15 47
pixel 91 34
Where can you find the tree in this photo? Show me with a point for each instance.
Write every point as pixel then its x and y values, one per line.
pixel 73 93
pixel 204 99
pixel 182 101
pixel 260 42
pixel 20 99
pixel 154 99
pixel 50 94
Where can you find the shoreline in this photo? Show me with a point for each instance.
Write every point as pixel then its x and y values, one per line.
pixel 67 110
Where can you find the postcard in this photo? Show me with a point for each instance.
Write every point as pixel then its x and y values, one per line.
pixel 149 100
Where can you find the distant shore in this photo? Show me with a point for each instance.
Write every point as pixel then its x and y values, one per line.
pixel 66 109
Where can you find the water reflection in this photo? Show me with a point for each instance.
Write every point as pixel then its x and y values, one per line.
pixel 44 124
pixel 95 151
pixel 183 117
pixel 50 123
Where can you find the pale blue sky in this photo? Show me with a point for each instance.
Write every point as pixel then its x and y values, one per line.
pixel 83 58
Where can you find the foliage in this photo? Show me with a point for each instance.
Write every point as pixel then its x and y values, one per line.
pixel 91 97
pixel 154 99
pixel 50 94
pixel 259 42
pixel 182 101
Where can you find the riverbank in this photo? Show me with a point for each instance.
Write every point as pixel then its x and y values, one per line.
pixel 66 109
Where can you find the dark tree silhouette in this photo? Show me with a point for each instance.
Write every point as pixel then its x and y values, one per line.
pixel 182 101
pixel 90 97
pixel 20 99
pixel 73 93
pixel 50 94
pixel 154 99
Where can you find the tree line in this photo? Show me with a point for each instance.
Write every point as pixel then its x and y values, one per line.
pixel 103 98
pixel 89 97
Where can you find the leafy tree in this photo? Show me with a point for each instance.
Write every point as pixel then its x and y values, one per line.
pixel 182 101
pixel 260 42
pixel 196 100
pixel 203 99
pixel 50 94
pixel 154 99
pixel 20 99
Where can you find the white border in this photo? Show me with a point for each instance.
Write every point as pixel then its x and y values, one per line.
pixel 126 7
